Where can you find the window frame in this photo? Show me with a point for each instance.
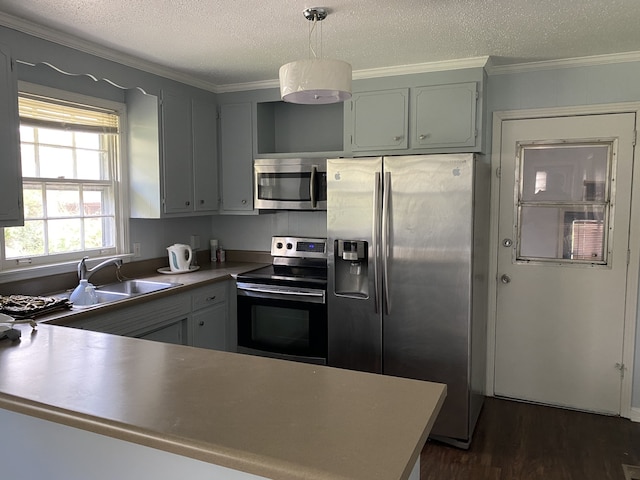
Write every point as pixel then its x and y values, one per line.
pixel 58 263
pixel 607 204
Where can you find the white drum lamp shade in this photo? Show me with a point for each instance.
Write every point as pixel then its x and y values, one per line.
pixel 315 81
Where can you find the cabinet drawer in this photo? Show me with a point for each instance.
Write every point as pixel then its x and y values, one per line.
pixel 208 296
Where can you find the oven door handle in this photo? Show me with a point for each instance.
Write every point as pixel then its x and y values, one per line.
pixel 315 296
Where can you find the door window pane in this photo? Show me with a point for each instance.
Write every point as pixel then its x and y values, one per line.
pixel 567 233
pixel 563 203
pixel 572 173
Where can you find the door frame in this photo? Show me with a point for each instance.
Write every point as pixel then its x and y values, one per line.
pixel 633 269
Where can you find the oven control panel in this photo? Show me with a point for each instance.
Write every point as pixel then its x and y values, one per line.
pixel 303 247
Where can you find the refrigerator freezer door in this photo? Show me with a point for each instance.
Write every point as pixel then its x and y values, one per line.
pixel 353 213
pixel 426 331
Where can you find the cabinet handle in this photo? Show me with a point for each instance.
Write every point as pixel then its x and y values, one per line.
pixel 422 136
pixel 201 202
pixel 397 138
pixel 187 203
pixel 211 298
pixel 244 202
pixel 201 323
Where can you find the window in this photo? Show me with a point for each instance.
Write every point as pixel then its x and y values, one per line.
pixel 71 181
pixel 564 202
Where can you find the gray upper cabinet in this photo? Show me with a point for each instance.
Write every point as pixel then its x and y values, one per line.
pixel 380 120
pixel 416 119
pixel 172 155
pixel 205 156
pixel 177 155
pixel 11 212
pixel 444 116
pixel 236 152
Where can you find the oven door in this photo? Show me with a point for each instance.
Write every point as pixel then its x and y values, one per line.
pixel 282 322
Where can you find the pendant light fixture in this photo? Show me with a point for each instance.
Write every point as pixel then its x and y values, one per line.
pixel 316 80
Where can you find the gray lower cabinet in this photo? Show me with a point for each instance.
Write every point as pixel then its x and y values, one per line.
pixel 141 319
pixel 209 317
pixel 198 317
pixel 11 211
pixel 236 157
pixel 174 332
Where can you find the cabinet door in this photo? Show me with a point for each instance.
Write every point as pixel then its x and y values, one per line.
pixel 205 156
pixel 11 212
pixel 210 327
pixel 176 153
pixel 236 151
pixel 171 333
pixel 380 120
pixel 444 116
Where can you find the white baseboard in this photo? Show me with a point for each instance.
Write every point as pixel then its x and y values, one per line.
pixel 635 415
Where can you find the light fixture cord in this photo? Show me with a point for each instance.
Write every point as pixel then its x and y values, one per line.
pixel 312 29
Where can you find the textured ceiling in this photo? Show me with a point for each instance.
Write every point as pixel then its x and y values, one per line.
pixel 225 42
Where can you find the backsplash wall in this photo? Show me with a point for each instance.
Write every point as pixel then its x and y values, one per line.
pixel 254 232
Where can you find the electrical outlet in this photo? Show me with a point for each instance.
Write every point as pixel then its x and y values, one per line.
pixel 136 250
pixel 195 241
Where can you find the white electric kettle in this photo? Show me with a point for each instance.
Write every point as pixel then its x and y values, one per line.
pixel 179 257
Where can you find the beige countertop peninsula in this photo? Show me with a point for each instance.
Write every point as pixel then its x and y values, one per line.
pixel 266 417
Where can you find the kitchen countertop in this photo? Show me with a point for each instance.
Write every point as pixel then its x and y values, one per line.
pixel 208 273
pixel 263 416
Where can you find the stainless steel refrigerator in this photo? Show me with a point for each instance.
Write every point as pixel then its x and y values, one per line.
pixel 408 262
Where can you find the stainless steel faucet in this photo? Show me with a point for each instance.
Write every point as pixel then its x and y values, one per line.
pixel 84 273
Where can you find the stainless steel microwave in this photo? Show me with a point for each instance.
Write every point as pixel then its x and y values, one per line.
pixel 290 184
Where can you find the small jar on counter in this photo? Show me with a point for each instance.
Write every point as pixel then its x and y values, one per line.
pixel 220 255
pixel 213 244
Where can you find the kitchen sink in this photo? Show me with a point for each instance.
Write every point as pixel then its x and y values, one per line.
pixel 106 297
pixel 113 292
pixel 130 288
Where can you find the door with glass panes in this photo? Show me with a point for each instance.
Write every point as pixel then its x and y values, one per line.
pixel 565 193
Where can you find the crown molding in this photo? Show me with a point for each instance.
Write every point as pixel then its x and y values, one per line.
pixel 458 64
pixel 593 60
pixel 77 43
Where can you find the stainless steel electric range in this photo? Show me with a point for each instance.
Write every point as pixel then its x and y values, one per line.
pixel 282 308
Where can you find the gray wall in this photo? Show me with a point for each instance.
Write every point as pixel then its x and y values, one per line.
pixel 255 232
pixel 563 87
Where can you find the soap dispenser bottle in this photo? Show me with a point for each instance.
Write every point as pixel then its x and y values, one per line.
pixel 84 294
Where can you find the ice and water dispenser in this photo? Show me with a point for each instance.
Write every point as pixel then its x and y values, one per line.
pixel 351 268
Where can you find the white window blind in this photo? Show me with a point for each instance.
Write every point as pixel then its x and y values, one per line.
pixel 59 114
pixel 587 240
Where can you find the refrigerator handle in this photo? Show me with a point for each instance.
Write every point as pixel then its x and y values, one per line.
pixel 375 237
pixel 385 240
pixel 312 188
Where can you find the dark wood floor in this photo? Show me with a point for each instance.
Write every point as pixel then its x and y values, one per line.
pixel 519 441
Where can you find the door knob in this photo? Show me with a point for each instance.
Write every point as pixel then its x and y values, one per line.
pixel 505 279
pixel 507 242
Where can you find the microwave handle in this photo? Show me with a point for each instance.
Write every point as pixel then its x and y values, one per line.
pixel 313 187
